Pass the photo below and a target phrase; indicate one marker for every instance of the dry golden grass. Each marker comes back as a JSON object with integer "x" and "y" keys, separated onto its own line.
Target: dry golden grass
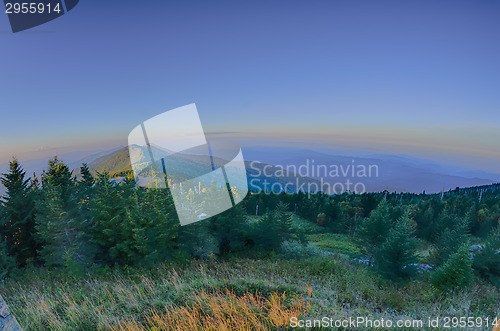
{"x": 497, "y": 328}
{"x": 243, "y": 294}
{"x": 223, "y": 311}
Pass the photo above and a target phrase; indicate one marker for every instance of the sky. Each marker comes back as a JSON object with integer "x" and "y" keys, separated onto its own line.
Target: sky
{"x": 409, "y": 77}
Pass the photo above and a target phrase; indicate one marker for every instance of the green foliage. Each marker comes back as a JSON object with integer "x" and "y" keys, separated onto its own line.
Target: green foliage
{"x": 17, "y": 220}
{"x": 275, "y": 227}
{"x": 293, "y": 249}
{"x": 374, "y": 229}
{"x": 487, "y": 260}
{"x": 87, "y": 178}
{"x": 93, "y": 221}
{"x": 156, "y": 229}
{"x": 335, "y": 242}
{"x": 451, "y": 231}
{"x": 113, "y": 209}
{"x": 198, "y": 241}
{"x": 341, "y": 221}
{"x": 230, "y": 229}
{"x": 60, "y": 224}
{"x": 396, "y": 255}
{"x": 7, "y": 262}
{"x": 456, "y": 272}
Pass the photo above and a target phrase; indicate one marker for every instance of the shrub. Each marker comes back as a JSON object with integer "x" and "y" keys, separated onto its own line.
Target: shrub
{"x": 456, "y": 272}
{"x": 396, "y": 256}
{"x": 7, "y": 263}
{"x": 487, "y": 261}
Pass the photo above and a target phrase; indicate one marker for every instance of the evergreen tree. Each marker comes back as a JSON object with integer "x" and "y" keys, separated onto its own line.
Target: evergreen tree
{"x": 267, "y": 232}
{"x": 84, "y": 193}
{"x": 456, "y": 272}
{"x": 7, "y": 262}
{"x": 274, "y": 228}
{"x": 374, "y": 229}
{"x": 17, "y": 222}
{"x": 157, "y": 227}
{"x": 112, "y": 209}
{"x": 197, "y": 240}
{"x": 487, "y": 260}
{"x": 84, "y": 186}
{"x": 396, "y": 256}
{"x": 87, "y": 178}
{"x": 284, "y": 219}
{"x": 451, "y": 232}
{"x": 59, "y": 223}
{"x": 231, "y": 230}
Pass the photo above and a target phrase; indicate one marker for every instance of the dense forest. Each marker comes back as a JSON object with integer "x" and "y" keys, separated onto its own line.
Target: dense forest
{"x": 61, "y": 225}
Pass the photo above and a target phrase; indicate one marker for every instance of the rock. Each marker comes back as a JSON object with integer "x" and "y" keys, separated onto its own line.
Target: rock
{"x": 7, "y": 321}
{"x": 4, "y": 310}
{"x": 474, "y": 248}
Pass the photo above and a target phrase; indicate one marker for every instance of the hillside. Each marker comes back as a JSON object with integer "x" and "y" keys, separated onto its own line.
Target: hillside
{"x": 118, "y": 162}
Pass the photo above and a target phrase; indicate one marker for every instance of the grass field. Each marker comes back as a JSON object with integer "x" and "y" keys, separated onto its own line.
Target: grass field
{"x": 237, "y": 294}
{"x": 320, "y": 279}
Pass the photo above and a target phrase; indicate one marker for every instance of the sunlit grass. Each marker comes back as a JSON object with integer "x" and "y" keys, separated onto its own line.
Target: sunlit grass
{"x": 242, "y": 294}
{"x": 223, "y": 311}
{"x": 335, "y": 242}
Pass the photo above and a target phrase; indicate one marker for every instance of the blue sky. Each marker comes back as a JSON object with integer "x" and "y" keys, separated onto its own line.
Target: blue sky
{"x": 415, "y": 77}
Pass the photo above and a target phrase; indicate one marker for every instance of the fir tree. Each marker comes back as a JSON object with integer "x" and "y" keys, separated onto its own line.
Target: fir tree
{"x": 451, "y": 232}
{"x": 156, "y": 227}
{"x": 112, "y": 221}
{"x": 59, "y": 223}
{"x": 231, "y": 229}
{"x": 396, "y": 256}
{"x": 374, "y": 229}
{"x": 17, "y": 222}
{"x": 284, "y": 219}
{"x": 456, "y": 272}
{"x": 487, "y": 260}
{"x": 7, "y": 262}
{"x": 267, "y": 232}
{"x": 87, "y": 178}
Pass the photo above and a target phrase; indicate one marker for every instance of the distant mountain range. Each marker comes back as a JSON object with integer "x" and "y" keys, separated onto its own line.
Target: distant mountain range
{"x": 305, "y": 167}
{"x": 398, "y": 173}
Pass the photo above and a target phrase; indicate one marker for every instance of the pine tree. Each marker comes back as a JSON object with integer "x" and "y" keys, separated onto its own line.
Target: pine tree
{"x": 87, "y": 178}
{"x": 7, "y": 262}
{"x": 451, "y": 232}
{"x": 267, "y": 232}
{"x": 17, "y": 222}
{"x": 487, "y": 260}
{"x": 231, "y": 229}
{"x": 84, "y": 186}
{"x": 396, "y": 256}
{"x": 156, "y": 227}
{"x": 456, "y": 272}
{"x": 112, "y": 221}
{"x": 84, "y": 193}
{"x": 374, "y": 229}
{"x": 284, "y": 219}
{"x": 60, "y": 225}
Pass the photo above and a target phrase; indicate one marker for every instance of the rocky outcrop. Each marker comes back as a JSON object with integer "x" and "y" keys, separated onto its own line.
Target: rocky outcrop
{"x": 7, "y": 321}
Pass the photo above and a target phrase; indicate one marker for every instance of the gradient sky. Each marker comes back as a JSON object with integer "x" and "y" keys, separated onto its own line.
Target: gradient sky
{"x": 414, "y": 77}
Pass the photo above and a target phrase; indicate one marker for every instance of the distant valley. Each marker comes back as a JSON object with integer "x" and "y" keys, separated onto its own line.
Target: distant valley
{"x": 393, "y": 172}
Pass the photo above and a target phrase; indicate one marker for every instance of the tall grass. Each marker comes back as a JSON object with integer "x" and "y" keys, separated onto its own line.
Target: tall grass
{"x": 223, "y": 311}
{"x": 242, "y": 294}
